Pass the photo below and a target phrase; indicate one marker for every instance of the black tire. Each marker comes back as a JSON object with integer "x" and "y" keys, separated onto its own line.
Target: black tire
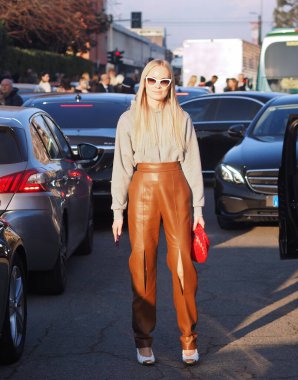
{"x": 226, "y": 224}
{"x": 86, "y": 247}
{"x": 14, "y": 328}
{"x": 54, "y": 281}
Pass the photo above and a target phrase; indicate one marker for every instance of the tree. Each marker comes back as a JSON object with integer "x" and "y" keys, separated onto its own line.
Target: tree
{"x": 286, "y": 14}
{"x": 56, "y": 25}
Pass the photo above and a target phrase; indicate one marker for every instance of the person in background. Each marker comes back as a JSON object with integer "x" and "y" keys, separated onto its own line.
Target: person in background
{"x": 232, "y": 85}
{"x": 65, "y": 86}
{"x": 113, "y": 77}
{"x": 192, "y": 81}
{"x": 202, "y": 82}
{"x": 241, "y": 82}
{"x": 85, "y": 76}
{"x": 103, "y": 85}
{"x": 212, "y": 82}
{"x": 119, "y": 81}
{"x": 128, "y": 86}
{"x": 157, "y": 164}
{"x": 44, "y": 84}
{"x": 83, "y": 86}
{"x": 9, "y": 94}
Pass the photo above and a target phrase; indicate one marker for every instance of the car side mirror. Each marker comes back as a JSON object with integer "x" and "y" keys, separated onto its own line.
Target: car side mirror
{"x": 237, "y": 130}
{"x": 87, "y": 152}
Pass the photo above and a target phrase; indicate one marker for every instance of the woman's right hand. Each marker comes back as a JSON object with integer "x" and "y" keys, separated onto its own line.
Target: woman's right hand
{"x": 117, "y": 228}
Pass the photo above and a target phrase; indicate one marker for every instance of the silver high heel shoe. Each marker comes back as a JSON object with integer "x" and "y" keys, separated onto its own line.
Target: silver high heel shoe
{"x": 190, "y": 359}
{"x": 145, "y": 360}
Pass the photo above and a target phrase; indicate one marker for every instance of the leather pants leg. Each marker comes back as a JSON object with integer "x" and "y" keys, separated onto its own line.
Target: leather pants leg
{"x": 160, "y": 191}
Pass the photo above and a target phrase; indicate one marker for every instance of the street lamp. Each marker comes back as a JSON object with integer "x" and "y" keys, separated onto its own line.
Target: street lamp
{"x": 260, "y": 22}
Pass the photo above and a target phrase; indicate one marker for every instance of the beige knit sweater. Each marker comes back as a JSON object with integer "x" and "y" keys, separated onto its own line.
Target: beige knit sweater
{"x": 127, "y": 156}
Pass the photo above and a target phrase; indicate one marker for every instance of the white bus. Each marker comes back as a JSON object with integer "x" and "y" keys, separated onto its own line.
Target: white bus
{"x": 278, "y": 67}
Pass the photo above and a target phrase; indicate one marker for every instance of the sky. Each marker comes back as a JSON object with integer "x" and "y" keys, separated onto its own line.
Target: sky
{"x": 197, "y": 19}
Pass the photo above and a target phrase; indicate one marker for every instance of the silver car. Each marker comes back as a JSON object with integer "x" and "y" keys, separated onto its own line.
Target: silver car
{"x": 45, "y": 194}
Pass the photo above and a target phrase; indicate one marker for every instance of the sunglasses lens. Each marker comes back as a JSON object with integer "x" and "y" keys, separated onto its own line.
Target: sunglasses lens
{"x": 165, "y": 82}
{"x": 151, "y": 81}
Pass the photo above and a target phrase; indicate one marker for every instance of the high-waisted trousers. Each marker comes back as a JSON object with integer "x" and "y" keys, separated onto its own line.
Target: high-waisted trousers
{"x": 159, "y": 191}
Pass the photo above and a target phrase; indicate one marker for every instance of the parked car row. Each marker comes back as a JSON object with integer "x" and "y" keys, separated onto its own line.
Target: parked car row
{"x": 56, "y": 156}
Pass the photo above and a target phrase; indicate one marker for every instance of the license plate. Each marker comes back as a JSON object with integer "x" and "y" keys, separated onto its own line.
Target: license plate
{"x": 272, "y": 201}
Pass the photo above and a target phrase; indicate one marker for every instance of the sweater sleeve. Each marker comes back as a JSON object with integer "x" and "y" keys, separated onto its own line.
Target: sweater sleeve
{"x": 122, "y": 167}
{"x": 192, "y": 169}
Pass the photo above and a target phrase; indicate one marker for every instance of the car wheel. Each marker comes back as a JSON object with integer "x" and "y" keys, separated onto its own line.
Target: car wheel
{"x": 54, "y": 281}
{"x": 85, "y": 248}
{"x": 225, "y": 224}
{"x": 14, "y": 328}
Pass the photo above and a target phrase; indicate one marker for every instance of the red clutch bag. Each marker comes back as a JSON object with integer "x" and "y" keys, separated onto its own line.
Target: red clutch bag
{"x": 200, "y": 245}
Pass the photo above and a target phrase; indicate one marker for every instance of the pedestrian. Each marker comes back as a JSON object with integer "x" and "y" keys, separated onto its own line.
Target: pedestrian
{"x": 211, "y": 83}
{"x": 192, "y": 81}
{"x": 44, "y": 84}
{"x": 202, "y": 82}
{"x": 157, "y": 166}
{"x": 103, "y": 85}
{"x": 83, "y": 86}
{"x": 113, "y": 77}
{"x": 241, "y": 82}
{"x": 65, "y": 86}
{"x": 232, "y": 85}
{"x": 9, "y": 94}
{"x": 127, "y": 86}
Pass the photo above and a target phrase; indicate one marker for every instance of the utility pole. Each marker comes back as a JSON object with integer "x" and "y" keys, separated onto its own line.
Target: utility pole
{"x": 260, "y": 22}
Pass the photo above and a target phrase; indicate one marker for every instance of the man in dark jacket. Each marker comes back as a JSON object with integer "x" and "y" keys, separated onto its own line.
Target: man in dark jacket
{"x": 103, "y": 85}
{"x": 9, "y": 93}
{"x": 211, "y": 83}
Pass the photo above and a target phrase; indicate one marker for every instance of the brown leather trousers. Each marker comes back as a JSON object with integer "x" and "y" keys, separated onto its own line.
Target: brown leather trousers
{"x": 160, "y": 191}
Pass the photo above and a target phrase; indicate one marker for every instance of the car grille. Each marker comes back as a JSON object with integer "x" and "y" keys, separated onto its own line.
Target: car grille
{"x": 263, "y": 180}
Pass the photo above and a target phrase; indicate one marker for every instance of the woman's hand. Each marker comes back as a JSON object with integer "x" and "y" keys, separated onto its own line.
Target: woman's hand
{"x": 200, "y": 220}
{"x": 117, "y": 228}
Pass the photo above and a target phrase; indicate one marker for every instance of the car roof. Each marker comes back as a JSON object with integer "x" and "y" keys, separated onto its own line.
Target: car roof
{"x": 77, "y": 97}
{"x": 261, "y": 96}
{"x": 13, "y": 116}
{"x": 285, "y": 100}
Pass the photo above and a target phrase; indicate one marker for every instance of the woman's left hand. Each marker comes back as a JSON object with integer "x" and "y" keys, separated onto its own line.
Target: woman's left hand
{"x": 200, "y": 220}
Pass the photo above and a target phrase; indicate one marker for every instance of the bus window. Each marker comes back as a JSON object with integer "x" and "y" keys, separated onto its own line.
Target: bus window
{"x": 278, "y": 69}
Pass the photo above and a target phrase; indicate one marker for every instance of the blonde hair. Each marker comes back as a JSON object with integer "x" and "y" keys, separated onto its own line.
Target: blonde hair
{"x": 192, "y": 81}
{"x": 173, "y": 116}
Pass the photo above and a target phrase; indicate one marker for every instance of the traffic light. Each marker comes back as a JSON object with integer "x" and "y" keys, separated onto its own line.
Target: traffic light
{"x": 118, "y": 56}
{"x": 111, "y": 56}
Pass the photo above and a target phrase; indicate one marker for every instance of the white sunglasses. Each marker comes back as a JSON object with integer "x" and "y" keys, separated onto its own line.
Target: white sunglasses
{"x": 164, "y": 83}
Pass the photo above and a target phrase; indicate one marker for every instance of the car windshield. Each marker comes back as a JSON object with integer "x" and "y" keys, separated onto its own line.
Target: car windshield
{"x": 9, "y": 147}
{"x": 274, "y": 120}
{"x": 85, "y": 114}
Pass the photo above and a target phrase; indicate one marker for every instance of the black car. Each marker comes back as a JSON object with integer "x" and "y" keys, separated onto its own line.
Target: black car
{"x": 214, "y": 114}
{"x": 90, "y": 118}
{"x": 13, "y": 296}
{"x": 288, "y": 192}
{"x": 246, "y": 178}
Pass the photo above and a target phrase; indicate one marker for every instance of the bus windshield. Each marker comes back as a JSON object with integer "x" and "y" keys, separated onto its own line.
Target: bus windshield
{"x": 281, "y": 67}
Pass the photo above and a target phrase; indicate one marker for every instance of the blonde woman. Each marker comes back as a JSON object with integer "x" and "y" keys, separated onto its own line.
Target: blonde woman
{"x": 192, "y": 81}
{"x": 157, "y": 166}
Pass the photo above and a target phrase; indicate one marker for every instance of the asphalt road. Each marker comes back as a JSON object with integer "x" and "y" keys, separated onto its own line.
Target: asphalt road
{"x": 248, "y": 317}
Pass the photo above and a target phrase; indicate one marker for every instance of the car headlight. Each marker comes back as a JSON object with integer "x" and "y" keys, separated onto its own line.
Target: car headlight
{"x": 229, "y": 174}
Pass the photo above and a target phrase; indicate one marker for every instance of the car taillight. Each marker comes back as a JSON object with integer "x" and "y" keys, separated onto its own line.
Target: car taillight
{"x": 29, "y": 181}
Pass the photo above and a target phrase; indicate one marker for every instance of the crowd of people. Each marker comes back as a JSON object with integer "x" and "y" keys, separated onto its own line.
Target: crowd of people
{"x": 232, "y": 84}
{"x": 109, "y": 81}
